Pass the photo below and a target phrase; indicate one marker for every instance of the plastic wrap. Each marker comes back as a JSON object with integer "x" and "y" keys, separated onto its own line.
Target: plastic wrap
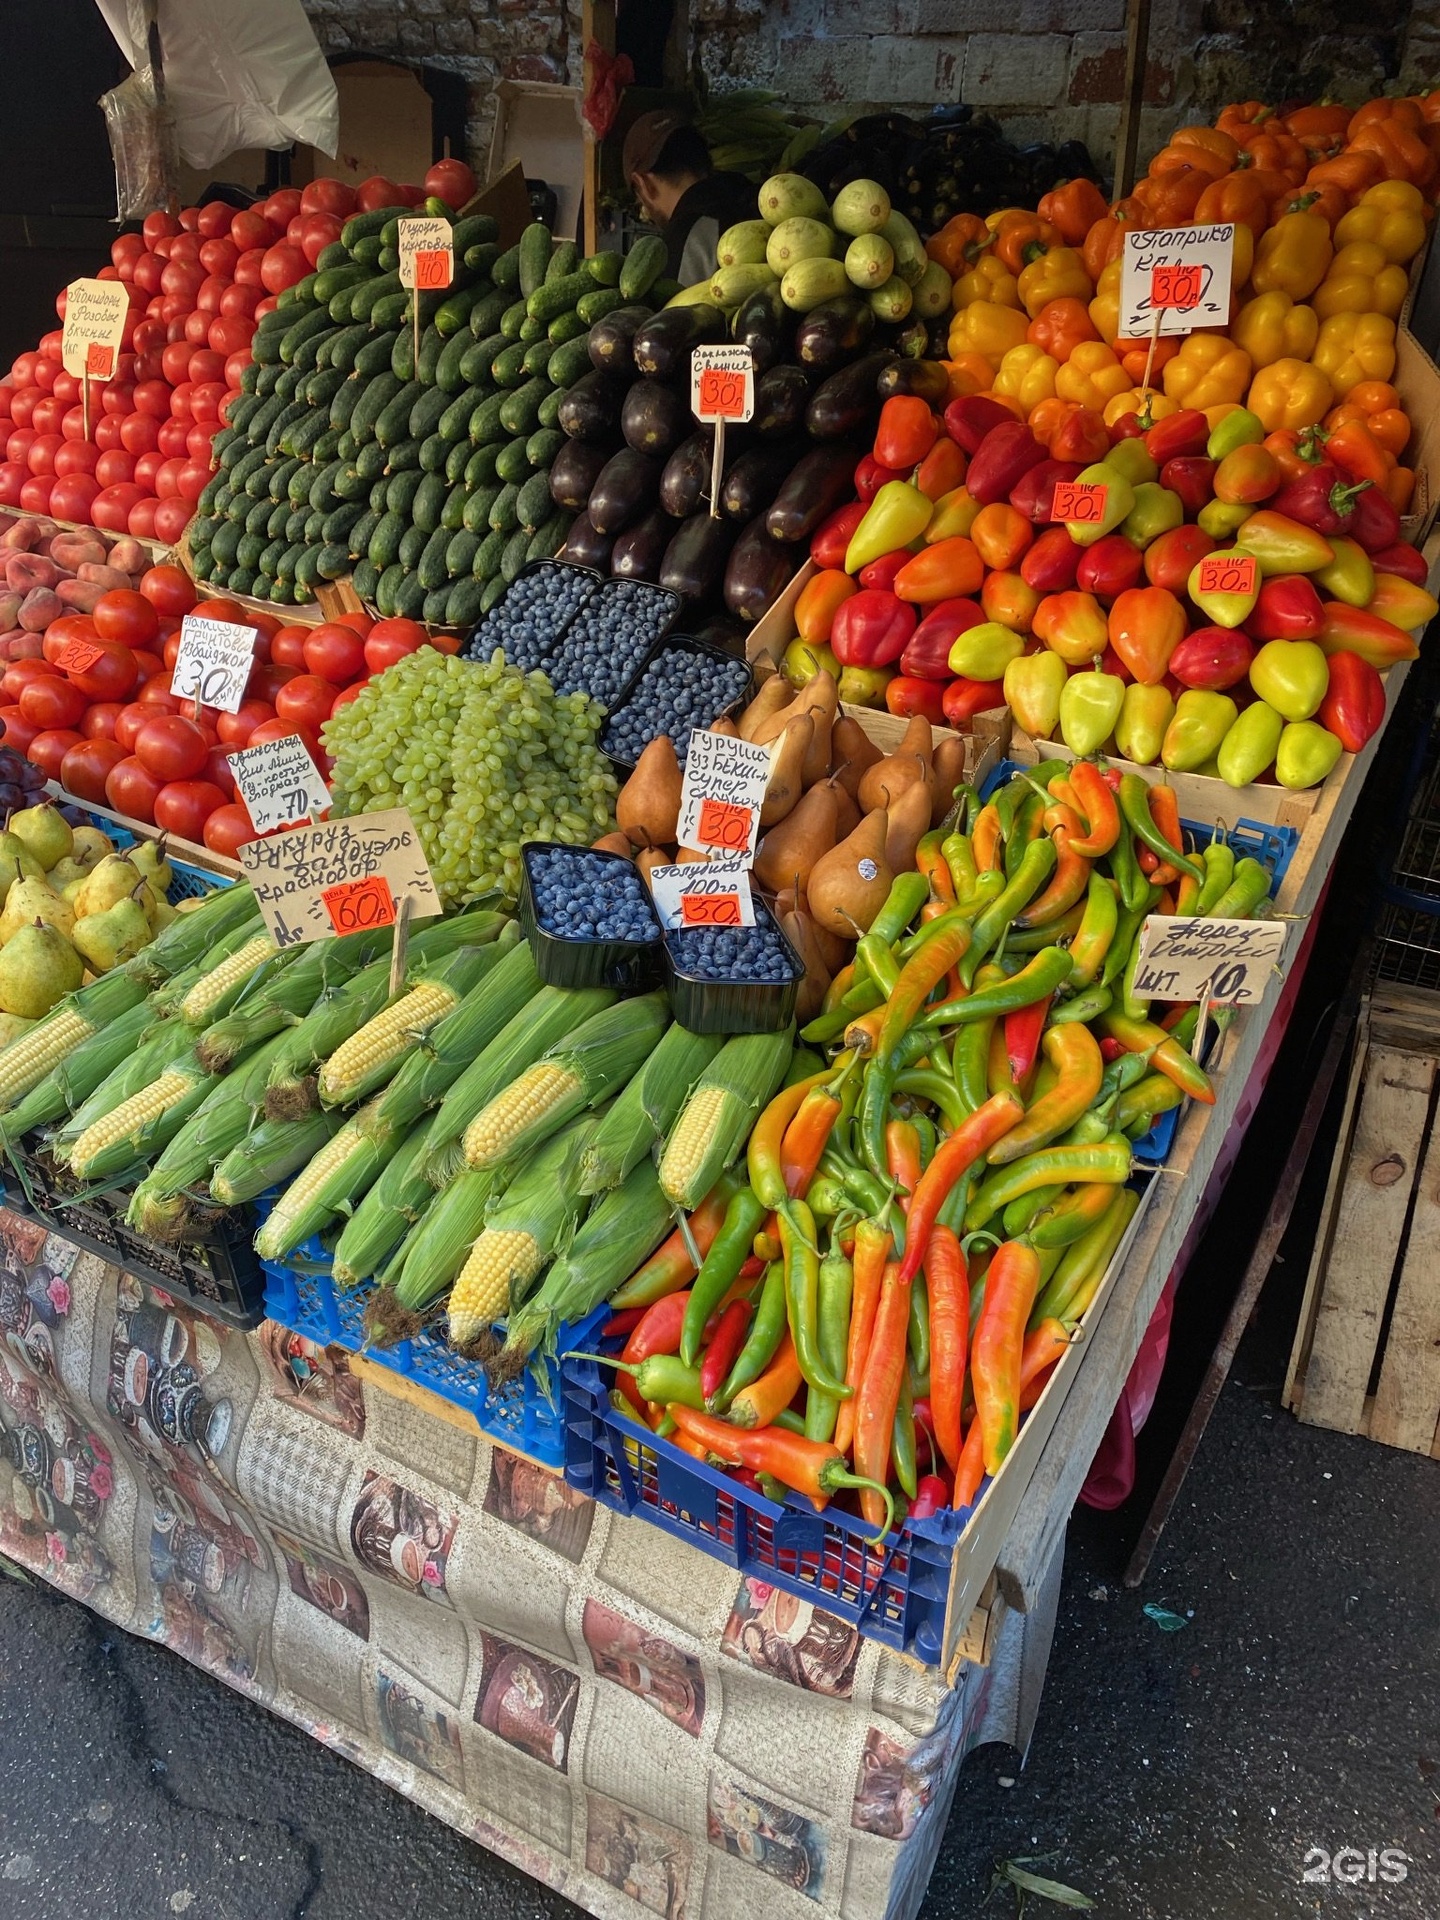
{"x": 142, "y": 144}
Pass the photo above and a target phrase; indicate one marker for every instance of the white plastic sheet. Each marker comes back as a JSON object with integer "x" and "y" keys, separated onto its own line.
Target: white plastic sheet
{"x": 238, "y": 73}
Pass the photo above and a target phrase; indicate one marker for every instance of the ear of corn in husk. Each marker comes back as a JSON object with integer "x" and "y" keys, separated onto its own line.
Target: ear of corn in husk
{"x": 716, "y": 1120}
{"x": 74, "y": 1048}
{"x": 167, "y": 997}
{"x": 392, "y": 1205}
{"x": 647, "y": 1107}
{"x": 346, "y": 1164}
{"x": 171, "y": 1041}
{"x": 130, "y": 1132}
{"x": 212, "y": 997}
{"x": 272, "y": 1152}
{"x": 191, "y": 936}
{"x": 364, "y": 1062}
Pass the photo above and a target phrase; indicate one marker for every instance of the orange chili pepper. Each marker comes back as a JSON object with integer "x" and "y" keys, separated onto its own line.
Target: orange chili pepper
{"x": 1096, "y": 800}
{"x": 812, "y": 1467}
{"x": 1011, "y": 1283}
{"x": 1400, "y": 487}
{"x": 879, "y": 1391}
{"x": 931, "y": 862}
{"x": 758, "y": 1404}
{"x": 942, "y": 469}
{"x": 872, "y": 1251}
{"x": 970, "y": 1468}
{"x": 1000, "y": 535}
{"x": 948, "y": 1286}
{"x": 985, "y": 839}
{"x": 1358, "y": 454}
{"x": 820, "y": 600}
{"x": 902, "y": 1157}
{"x": 1043, "y": 1347}
{"x": 805, "y": 1138}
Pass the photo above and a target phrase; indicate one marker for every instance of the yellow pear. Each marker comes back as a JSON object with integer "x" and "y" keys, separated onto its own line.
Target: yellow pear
{"x": 114, "y": 879}
{"x": 72, "y": 889}
{"x": 12, "y": 1025}
{"x": 33, "y": 899}
{"x": 45, "y": 830}
{"x": 64, "y": 871}
{"x": 91, "y": 846}
{"x": 16, "y": 862}
{"x": 161, "y": 914}
{"x": 37, "y": 968}
{"x": 149, "y": 857}
{"x": 106, "y": 938}
{"x": 787, "y": 765}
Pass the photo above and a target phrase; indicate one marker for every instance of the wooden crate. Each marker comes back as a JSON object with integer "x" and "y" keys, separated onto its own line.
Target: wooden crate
{"x": 1367, "y": 1350}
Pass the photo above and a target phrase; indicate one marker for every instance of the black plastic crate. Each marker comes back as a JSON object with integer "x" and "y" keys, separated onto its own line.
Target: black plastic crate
{"x": 631, "y": 966}
{"x": 677, "y": 643}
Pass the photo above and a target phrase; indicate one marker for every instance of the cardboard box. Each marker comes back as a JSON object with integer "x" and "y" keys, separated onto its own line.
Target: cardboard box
{"x": 386, "y": 126}
{"x": 539, "y": 124}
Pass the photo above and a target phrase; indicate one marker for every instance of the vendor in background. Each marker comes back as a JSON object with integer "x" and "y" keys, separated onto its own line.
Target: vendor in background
{"x": 668, "y": 167}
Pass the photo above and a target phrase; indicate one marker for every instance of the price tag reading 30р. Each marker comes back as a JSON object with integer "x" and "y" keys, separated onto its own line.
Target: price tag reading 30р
{"x": 214, "y": 662}
{"x": 427, "y": 254}
{"x": 1082, "y": 501}
{"x": 315, "y": 882}
{"x": 1182, "y": 274}
{"x": 716, "y": 895}
{"x": 1228, "y": 962}
{"x": 279, "y": 783}
{"x": 95, "y": 313}
{"x": 722, "y": 383}
{"x": 722, "y": 794}
{"x": 1229, "y": 573}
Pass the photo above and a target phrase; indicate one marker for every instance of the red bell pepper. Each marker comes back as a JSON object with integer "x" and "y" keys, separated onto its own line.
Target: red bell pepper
{"x": 871, "y": 475}
{"x": 871, "y": 629}
{"x": 906, "y": 433}
{"x": 1289, "y": 608}
{"x": 967, "y": 421}
{"x": 1146, "y": 625}
{"x": 832, "y": 537}
{"x": 940, "y": 572}
{"x": 1192, "y": 477}
{"x": 1321, "y": 498}
{"x": 906, "y": 696}
{"x": 1110, "y": 567}
{"x": 1033, "y": 495}
{"x": 942, "y": 469}
{"x": 1178, "y": 436}
{"x": 1374, "y": 524}
{"x": 1082, "y": 435}
{"x": 1354, "y": 704}
{"x": 882, "y": 572}
{"x": 1403, "y": 559}
{"x": 1003, "y": 457}
{"x": 1351, "y": 630}
{"x": 927, "y": 651}
{"x": 1212, "y": 659}
{"x": 1051, "y": 564}
{"x": 1130, "y": 426}
{"x": 965, "y": 698}
{"x": 1170, "y": 560}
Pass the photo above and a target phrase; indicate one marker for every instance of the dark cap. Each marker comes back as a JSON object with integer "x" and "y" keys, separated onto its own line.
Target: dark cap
{"x": 645, "y": 141}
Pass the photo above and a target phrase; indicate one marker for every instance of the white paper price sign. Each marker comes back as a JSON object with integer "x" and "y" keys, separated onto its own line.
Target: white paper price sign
{"x": 722, "y": 794}
{"x": 722, "y": 383}
{"x": 1181, "y": 274}
{"x": 95, "y": 312}
{"x": 279, "y": 783}
{"x": 214, "y": 662}
{"x": 715, "y": 893}
{"x": 1227, "y": 962}
{"x": 344, "y": 876}
{"x": 427, "y": 254}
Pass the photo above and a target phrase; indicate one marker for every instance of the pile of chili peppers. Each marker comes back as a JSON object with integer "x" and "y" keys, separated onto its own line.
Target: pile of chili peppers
{"x": 928, "y": 1213}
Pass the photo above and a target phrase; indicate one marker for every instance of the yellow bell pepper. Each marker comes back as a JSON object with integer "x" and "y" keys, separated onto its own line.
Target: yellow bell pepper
{"x": 1242, "y": 255}
{"x": 988, "y": 279}
{"x": 1139, "y": 400}
{"x": 1362, "y": 280}
{"x": 1355, "y": 346}
{"x": 1056, "y": 275}
{"x": 984, "y": 327}
{"x": 1273, "y": 327}
{"x": 1209, "y": 368}
{"x": 1091, "y": 376}
{"x": 1027, "y": 374}
{"x": 1392, "y": 216}
{"x": 1105, "y": 307}
{"x": 1292, "y": 257}
{"x": 1290, "y": 393}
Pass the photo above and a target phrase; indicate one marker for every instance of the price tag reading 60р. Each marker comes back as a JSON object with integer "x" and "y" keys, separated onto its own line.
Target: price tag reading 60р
{"x": 213, "y": 663}
{"x": 355, "y": 906}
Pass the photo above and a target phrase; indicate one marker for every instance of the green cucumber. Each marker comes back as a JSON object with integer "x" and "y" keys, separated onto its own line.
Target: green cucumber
{"x": 642, "y": 266}
{"x": 514, "y": 463}
{"x": 486, "y": 564}
{"x": 447, "y": 368}
{"x": 549, "y": 412}
{"x": 384, "y": 548}
{"x": 534, "y": 247}
{"x": 434, "y": 451}
{"x": 568, "y": 363}
{"x": 506, "y": 271}
{"x": 595, "y": 305}
{"x": 378, "y": 395}
{"x": 520, "y": 411}
{"x": 452, "y": 514}
{"x": 543, "y": 445}
{"x": 430, "y": 567}
{"x": 508, "y": 368}
{"x": 432, "y": 611}
{"x": 533, "y": 506}
{"x": 485, "y": 420}
{"x": 455, "y": 419}
{"x": 457, "y": 458}
{"x": 474, "y": 230}
{"x": 604, "y": 268}
{"x": 503, "y": 515}
{"x": 462, "y": 604}
{"x": 481, "y": 465}
{"x": 429, "y": 502}
{"x": 425, "y": 414}
{"x": 371, "y": 461}
{"x": 374, "y": 356}
{"x": 365, "y": 579}
{"x": 566, "y": 326}
{"x": 550, "y": 538}
{"x": 485, "y": 315}
{"x": 513, "y": 558}
{"x": 495, "y": 591}
{"x": 475, "y": 518}
{"x": 558, "y": 296}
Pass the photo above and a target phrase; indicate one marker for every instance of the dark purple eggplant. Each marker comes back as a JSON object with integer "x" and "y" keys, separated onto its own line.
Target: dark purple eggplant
{"x": 685, "y": 483}
{"x": 849, "y": 400}
{"x": 663, "y": 345}
{"x": 722, "y": 630}
{"x": 912, "y": 340}
{"x": 574, "y": 472}
{"x": 638, "y": 551}
{"x": 762, "y": 324}
{"x": 625, "y": 489}
{"x": 926, "y": 379}
{"x": 834, "y": 332}
{"x": 585, "y": 546}
{"x": 760, "y": 567}
{"x": 818, "y": 482}
{"x": 694, "y": 562}
{"x": 781, "y": 397}
{"x": 591, "y": 409}
{"x": 655, "y": 418}
{"x": 753, "y": 480}
{"x": 611, "y": 342}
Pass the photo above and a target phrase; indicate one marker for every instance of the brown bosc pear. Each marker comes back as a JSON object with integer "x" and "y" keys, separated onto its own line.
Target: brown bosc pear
{"x": 787, "y": 769}
{"x": 847, "y": 814}
{"x": 726, "y": 726}
{"x": 907, "y": 820}
{"x": 691, "y": 857}
{"x": 884, "y": 782}
{"x": 848, "y": 885}
{"x": 647, "y": 809}
{"x": 649, "y": 857}
{"x": 613, "y": 843}
{"x": 949, "y": 763}
{"x": 790, "y": 848}
{"x": 852, "y": 753}
{"x": 776, "y": 693}
{"x": 800, "y": 930}
{"x": 820, "y": 698}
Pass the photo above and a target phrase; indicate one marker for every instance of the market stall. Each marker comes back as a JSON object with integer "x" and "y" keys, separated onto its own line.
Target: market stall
{"x": 738, "y": 856}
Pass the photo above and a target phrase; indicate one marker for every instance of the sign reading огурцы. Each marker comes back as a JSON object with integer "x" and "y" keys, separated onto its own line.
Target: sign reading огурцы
{"x": 722, "y": 794}
{"x": 1227, "y": 962}
{"x": 1182, "y": 273}
{"x": 427, "y": 253}
{"x": 292, "y": 874}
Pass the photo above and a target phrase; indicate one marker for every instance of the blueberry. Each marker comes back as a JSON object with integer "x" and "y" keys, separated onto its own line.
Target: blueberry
{"x": 529, "y": 620}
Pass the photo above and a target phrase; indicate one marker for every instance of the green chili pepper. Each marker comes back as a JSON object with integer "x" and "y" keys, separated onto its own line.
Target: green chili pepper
{"x": 1135, "y": 1005}
{"x": 1096, "y": 931}
{"x": 1085, "y": 1006}
{"x": 1031, "y": 939}
{"x": 1248, "y": 887}
{"x": 661, "y": 1379}
{"x": 862, "y": 996}
{"x": 880, "y": 966}
{"x": 1108, "y": 1161}
{"x": 1126, "y": 926}
{"x": 924, "y": 934}
{"x": 802, "y": 1294}
{"x": 1018, "y": 1215}
{"x": 1120, "y": 1074}
{"x": 929, "y": 1139}
{"x": 792, "y": 1423}
{"x": 970, "y": 1056}
{"x": 825, "y": 1196}
{"x": 1142, "y": 1102}
{"x": 928, "y": 1085}
{"x": 1185, "y": 1026}
{"x": 729, "y": 1251}
{"x": 1036, "y": 865}
{"x": 1028, "y": 827}
{"x": 1048, "y": 970}
{"x": 919, "y": 1334}
{"x": 766, "y": 1331}
{"x": 1219, "y": 861}
{"x": 837, "y": 1282}
{"x": 1135, "y": 811}
{"x": 1070, "y": 1217}
{"x": 902, "y": 1439}
{"x": 959, "y": 857}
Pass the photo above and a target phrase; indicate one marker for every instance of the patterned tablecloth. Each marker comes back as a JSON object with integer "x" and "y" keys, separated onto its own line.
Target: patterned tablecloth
{"x": 615, "y": 1712}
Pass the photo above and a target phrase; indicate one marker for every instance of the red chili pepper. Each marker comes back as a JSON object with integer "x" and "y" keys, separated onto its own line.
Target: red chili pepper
{"x": 1402, "y": 558}
{"x": 871, "y": 629}
{"x": 870, "y": 476}
{"x": 967, "y": 421}
{"x": 619, "y": 1325}
{"x": 1033, "y": 495}
{"x": 725, "y": 1344}
{"x": 881, "y": 573}
{"x": 1374, "y": 525}
{"x": 831, "y": 540}
{"x": 1023, "y": 1029}
{"x": 1011, "y": 1283}
{"x": 1044, "y": 1345}
{"x": 902, "y": 1156}
{"x": 1109, "y": 568}
{"x": 871, "y": 1256}
{"x": 1190, "y": 476}
{"x": 931, "y": 1494}
{"x": 925, "y": 1420}
{"x": 927, "y": 651}
{"x": 1354, "y": 704}
{"x": 1177, "y": 437}
{"x": 965, "y": 698}
{"x": 1050, "y": 565}
{"x": 1322, "y": 499}
{"x": 811, "y": 1467}
{"x": 954, "y": 1156}
{"x": 657, "y": 1332}
{"x": 949, "y": 1288}
{"x": 1002, "y": 459}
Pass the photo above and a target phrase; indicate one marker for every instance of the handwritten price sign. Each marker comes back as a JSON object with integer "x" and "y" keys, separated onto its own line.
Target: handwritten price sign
{"x": 355, "y": 906}
{"x": 1229, "y": 573}
{"x": 279, "y": 783}
{"x": 716, "y": 894}
{"x": 95, "y": 315}
{"x": 723, "y": 826}
{"x": 1179, "y": 279}
{"x": 213, "y": 663}
{"x": 1082, "y": 501}
{"x": 99, "y": 361}
{"x": 78, "y": 656}
{"x": 1177, "y": 286}
{"x": 722, "y": 794}
{"x": 427, "y": 258}
{"x": 1227, "y": 962}
{"x": 722, "y": 383}
{"x": 339, "y": 877}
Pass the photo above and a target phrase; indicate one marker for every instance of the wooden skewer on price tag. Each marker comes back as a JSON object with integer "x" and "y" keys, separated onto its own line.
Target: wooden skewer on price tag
{"x": 1150, "y": 351}
{"x": 401, "y": 945}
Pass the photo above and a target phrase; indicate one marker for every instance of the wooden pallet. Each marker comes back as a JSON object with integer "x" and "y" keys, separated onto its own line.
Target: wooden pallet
{"x": 1367, "y": 1350}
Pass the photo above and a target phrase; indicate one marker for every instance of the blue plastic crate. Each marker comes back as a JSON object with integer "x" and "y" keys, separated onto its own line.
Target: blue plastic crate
{"x": 519, "y": 1415}
{"x": 190, "y": 883}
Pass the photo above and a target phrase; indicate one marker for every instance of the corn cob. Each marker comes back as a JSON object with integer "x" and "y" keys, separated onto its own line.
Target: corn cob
{"x": 76, "y": 1077}
{"x": 213, "y": 996}
{"x": 623, "y": 1228}
{"x": 167, "y": 1044}
{"x": 717, "y": 1117}
{"x": 646, "y": 1109}
{"x": 440, "y": 1244}
{"x": 166, "y": 998}
{"x": 270, "y": 1154}
{"x": 372, "y": 1056}
{"x": 397, "y": 1199}
{"x": 190, "y": 936}
{"x": 541, "y": 1023}
{"x": 346, "y": 1162}
{"x": 152, "y": 1117}
{"x": 79, "y": 1017}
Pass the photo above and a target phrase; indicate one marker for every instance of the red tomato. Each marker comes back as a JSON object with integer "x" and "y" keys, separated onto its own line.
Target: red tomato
{"x": 111, "y": 677}
{"x": 328, "y": 196}
{"x": 12, "y": 482}
{"x": 282, "y": 206}
{"x": 451, "y": 181}
{"x": 174, "y": 361}
{"x": 72, "y": 495}
{"x": 236, "y": 361}
{"x": 86, "y": 767}
{"x": 110, "y": 508}
{"x": 35, "y": 494}
{"x": 172, "y": 747}
{"x": 360, "y": 621}
{"x": 125, "y": 246}
{"x": 159, "y": 226}
{"x": 206, "y": 398}
{"x": 50, "y": 746}
{"x": 228, "y": 828}
{"x": 213, "y": 219}
{"x": 305, "y": 702}
{"x": 43, "y": 449}
{"x": 266, "y": 681}
{"x": 171, "y": 519}
{"x": 170, "y": 652}
{"x": 287, "y": 647}
{"x": 16, "y": 729}
{"x": 247, "y": 268}
{"x": 107, "y": 433}
{"x": 250, "y": 229}
{"x": 377, "y": 192}
{"x": 147, "y": 664}
{"x": 131, "y": 789}
{"x": 282, "y": 267}
{"x": 128, "y": 722}
{"x": 217, "y": 771}
{"x": 284, "y": 730}
{"x": 125, "y": 615}
{"x": 183, "y": 806}
{"x": 318, "y": 231}
{"x": 52, "y": 701}
{"x": 168, "y": 589}
{"x": 146, "y": 468}
{"x": 174, "y": 434}
{"x": 218, "y": 257}
{"x": 77, "y": 456}
{"x": 44, "y": 375}
{"x": 346, "y": 695}
{"x": 98, "y": 722}
{"x": 18, "y": 444}
{"x": 167, "y": 479}
{"x": 334, "y": 653}
{"x": 140, "y": 521}
{"x": 235, "y": 729}
{"x": 18, "y": 675}
{"x": 140, "y": 433}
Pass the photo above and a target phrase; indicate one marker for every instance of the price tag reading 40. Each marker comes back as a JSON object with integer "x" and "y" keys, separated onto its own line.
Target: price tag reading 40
{"x": 722, "y": 794}
{"x": 427, "y": 254}
{"x": 722, "y": 383}
{"x": 213, "y": 663}
{"x": 1227, "y": 962}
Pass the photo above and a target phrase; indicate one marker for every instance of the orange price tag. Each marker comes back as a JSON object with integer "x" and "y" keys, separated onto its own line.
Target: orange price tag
{"x": 723, "y": 824}
{"x": 99, "y": 361}
{"x": 722, "y": 394}
{"x": 77, "y": 656}
{"x": 1229, "y": 573}
{"x": 710, "y": 910}
{"x": 433, "y": 269}
{"x": 1082, "y": 501}
{"x": 1177, "y": 286}
{"x": 355, "y": 905}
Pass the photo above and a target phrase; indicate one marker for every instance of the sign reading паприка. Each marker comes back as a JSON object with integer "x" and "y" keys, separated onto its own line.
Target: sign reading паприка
{"x": 1180, "y": 273}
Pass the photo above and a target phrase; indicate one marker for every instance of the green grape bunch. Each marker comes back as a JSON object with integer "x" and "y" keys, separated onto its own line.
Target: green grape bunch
{"x": 482, "y": 756}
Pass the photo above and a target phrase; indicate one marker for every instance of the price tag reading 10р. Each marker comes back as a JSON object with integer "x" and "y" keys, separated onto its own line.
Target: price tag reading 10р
{"x": 722, "y": 794}
{"x": 427, "y": 254}
{"x": 722, "y": 383}
{"x": 214, "y": 662}
{"x": 1227, "y": 962}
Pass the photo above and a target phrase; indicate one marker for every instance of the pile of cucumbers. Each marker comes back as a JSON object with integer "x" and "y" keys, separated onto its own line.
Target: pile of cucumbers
{"x": 424, "y": 478}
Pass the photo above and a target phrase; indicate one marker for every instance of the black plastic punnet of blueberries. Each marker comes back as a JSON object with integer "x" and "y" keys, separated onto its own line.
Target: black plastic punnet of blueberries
{"x": 680, "y": 689}
{"x": 579, "y": 895}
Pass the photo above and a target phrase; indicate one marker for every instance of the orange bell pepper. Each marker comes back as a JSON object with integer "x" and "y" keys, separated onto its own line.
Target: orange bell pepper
{"x": 1290, "y": 393}
{"x": 1103, "y": 243}
{"x": 1080, "y": 434}
{"x": 1021, "y": 237}
{"x": 1046, "y": 420}
{"x": 1319, "y": 129}
{"x": 1277, "y": 152}
{"x": 1134, "y": 355}
{"x": 1009, "y": 600}
{"x": 942, "y": 469}
{"x": 1216, "y": 140}
{"x": 820, "y": 599}
{"x": 1400, "y": 487}
{"x": 1401, "y": 148}
{"x": 1295, "y": 450}
{"x": 1061, "y": 325}
{"x": 958, "y": 242}
{"x": 1241, "y": 196}
{"x": 1293, "y": 256}
{"x": 1092, "y": 375}
{"x": 1359, "y": 455}
{"x": 1208, "y": 370}
{"x": 1170, "y": 199}
{"x": 1331, "y": 202}
{"x": 1392, "y": 215}
{"x": 1241, "y": 115}
{"x": 1072, "y": 624}
{"x": 948, "y": 570}
{"x": 1072, "y": 209}
{"x": 1352, "y": 170}
{"x": 1001, "y": 535}
{"x": 968, "y": 373}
